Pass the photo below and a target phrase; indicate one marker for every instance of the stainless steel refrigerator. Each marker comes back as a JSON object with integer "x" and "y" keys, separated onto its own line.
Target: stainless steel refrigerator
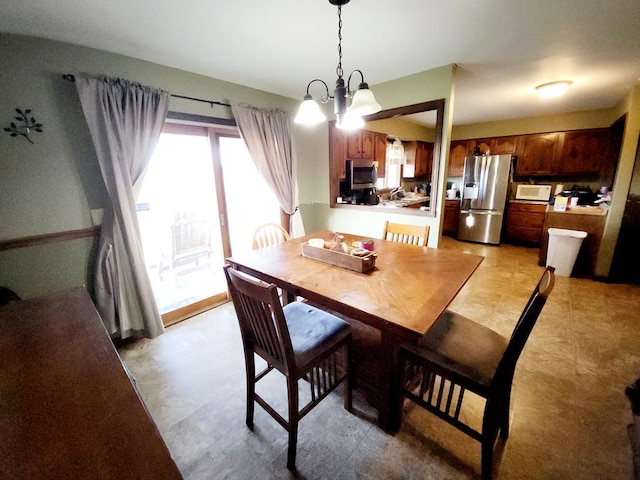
{"x": 483, "y": 198}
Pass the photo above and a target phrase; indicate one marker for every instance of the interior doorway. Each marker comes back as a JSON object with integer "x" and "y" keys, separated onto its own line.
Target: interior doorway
{"x": 194, "y": 210}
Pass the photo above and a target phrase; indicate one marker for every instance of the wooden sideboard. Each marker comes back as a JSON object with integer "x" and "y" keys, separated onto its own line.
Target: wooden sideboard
{"x": 68, "y": 407}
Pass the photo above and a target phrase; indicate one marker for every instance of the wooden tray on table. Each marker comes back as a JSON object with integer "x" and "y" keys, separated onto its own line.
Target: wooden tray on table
{"x": 344, "y": 260}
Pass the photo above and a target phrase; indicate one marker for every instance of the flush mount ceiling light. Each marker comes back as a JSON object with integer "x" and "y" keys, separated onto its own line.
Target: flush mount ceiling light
{"x": 553, "y": 89}
{"x": 362, "y": 101}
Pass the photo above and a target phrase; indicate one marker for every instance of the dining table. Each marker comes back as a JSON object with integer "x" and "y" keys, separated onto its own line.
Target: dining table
{"x": 397, "y": 301}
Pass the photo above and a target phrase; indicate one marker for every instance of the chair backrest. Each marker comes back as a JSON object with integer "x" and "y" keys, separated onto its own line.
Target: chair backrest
{"x": 411, "y": 234}
{"x": 525, "y": 324}
{"x": 269, "y": 234}
{"x": 262, "y": 323}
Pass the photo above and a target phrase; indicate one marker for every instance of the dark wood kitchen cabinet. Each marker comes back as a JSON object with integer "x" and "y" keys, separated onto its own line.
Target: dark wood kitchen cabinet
{"x": 420, "y": 155}
{"x": 482, "y": 144}
{"x": 506, "y": 145}
{"x": 370, "y": 145}
{"x": 337, "y": 153}
{"x": 380, "y": 152}
{"x": 451, "y": 215}
{"x": 458, "y": 151}
{"x": 540, "y": 154}
{"x": 360, "y": 145}
{"x": 576, "y": 152}
{"x": 525, "y": 223}
{"x": 583, "y": 151}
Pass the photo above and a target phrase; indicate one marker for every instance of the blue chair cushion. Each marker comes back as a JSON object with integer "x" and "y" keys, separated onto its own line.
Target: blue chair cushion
{"x": 312, "y": 331}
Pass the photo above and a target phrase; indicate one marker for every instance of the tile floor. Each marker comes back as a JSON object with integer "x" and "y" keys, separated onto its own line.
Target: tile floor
{"x": 569, "y": 411}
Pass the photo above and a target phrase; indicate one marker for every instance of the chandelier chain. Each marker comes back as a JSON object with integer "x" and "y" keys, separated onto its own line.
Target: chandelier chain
{"x": 339, "y": 68}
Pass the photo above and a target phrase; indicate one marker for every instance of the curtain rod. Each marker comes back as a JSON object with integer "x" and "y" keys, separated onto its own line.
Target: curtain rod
{"x": 72, "y": 78}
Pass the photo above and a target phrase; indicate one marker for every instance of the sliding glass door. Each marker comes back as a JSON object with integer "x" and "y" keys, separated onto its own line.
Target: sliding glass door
{"x": 200, "y": 200}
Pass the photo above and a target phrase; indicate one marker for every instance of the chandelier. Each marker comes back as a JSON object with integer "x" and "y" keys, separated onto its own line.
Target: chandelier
{"x": 348, "y": 106}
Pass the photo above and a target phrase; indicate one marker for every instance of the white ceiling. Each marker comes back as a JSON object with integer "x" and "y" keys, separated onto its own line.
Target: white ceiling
{"x": 503, "y": 48}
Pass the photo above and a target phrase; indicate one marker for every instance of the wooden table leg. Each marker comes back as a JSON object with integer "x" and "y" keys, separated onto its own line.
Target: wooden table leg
{"x": 388, "y": 418}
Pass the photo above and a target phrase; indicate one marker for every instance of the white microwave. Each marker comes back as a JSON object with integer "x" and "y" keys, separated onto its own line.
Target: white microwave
{"x": 533, "y": 192}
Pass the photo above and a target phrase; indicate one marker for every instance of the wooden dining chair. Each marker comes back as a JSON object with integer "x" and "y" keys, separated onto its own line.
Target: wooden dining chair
{"x": 411, "y": 234}
{"x": 457, "y": 354}
{"x": 269, "y": 234}
{"x": 298, "y": 340}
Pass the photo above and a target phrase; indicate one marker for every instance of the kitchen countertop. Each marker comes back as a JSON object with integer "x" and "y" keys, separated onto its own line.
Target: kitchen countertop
{"x": 529, "y": 202}
{"x": 580, "y": 210}
{"x": 404, "y": 202}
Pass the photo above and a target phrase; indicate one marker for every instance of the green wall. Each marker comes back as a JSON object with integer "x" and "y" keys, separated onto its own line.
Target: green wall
{"x": 313, "y": 172}
{"x": 547, "y": 123}
{"x": 51, "y": 186}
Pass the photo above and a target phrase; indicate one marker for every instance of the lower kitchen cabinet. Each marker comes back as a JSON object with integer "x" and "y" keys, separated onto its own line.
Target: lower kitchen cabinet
{"x": 525, "y": 222}
{"x": 451, "y": 215}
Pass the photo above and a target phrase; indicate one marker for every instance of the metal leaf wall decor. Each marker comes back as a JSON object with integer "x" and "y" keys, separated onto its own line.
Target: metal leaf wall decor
{"x": 27, "y": 124}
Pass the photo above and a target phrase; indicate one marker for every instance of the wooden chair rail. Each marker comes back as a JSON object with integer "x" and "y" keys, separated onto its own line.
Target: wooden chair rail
{"x": 43, "y": 239}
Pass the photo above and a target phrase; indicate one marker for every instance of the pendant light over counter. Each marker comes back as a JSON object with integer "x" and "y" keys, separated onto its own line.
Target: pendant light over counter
{"x": 348, "y": 106}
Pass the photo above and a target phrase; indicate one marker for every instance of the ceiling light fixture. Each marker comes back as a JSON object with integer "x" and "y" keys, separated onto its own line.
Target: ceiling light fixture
{"x": 553, "y": 89}
{"x": 362, "y": 101}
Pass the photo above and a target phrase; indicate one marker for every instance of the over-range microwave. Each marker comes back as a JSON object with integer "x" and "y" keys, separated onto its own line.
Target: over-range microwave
{"x": 533, "y": 192}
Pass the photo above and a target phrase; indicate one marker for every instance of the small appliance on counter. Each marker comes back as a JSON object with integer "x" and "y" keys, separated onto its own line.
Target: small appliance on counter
{"x": 526, "y": 191}
{"x": 585, "y": 195}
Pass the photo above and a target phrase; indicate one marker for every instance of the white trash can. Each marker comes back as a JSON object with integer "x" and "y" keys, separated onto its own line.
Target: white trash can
{"x": 563, "y": 249}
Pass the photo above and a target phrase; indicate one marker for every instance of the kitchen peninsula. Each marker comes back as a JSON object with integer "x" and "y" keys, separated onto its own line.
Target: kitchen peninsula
{"x": 588, "y": 219}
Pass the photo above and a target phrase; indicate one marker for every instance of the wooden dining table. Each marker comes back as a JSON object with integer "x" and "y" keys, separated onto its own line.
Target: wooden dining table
{"x": 396, "y": 302}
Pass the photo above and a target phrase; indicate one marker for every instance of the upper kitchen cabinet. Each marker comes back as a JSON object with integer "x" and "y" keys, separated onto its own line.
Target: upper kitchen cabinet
{"x": 458, "y": 151}
{"x": 360, "y": 145}
{"x": 506, "y": 145}
{"x": 496, "y": 145}
{"x": 337, "y": 152}
{"x": 380, "y": 152}
{"x": 482, "y": 144}
{"x": 419, "y": 155}
{"x": 583, "y": 151}
{"x": 539, "y": 154}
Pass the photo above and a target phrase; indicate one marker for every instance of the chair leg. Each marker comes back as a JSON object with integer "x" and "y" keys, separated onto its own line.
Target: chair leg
{"x": 400, "y": 387}
{"x": 348, "y": 385}
{"x": 292, "y": 394}
{"x": 504, "y": 420}
{"x": 491, "y": 422}
{"x": 487, "y": 458}
{"x": 250, "y": 369}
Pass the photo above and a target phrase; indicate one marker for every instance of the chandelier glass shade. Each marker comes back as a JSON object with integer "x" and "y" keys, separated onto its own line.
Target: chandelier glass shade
{"x": 349, "y": 106}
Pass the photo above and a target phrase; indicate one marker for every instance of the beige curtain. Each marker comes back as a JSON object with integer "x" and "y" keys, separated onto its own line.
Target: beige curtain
{"x": 267, "y": 134}
{"x": 125, "y": 120}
